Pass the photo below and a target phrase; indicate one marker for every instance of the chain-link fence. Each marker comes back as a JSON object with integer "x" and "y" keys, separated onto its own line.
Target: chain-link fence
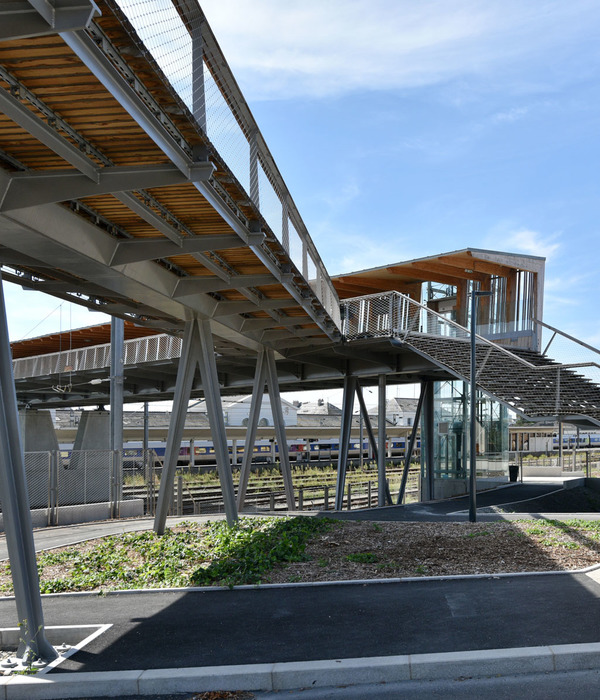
{"x": 59, "y": 480}
{"x": 62, "y": 484}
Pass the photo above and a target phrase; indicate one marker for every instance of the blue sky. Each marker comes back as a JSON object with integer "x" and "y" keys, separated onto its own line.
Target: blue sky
{"x": 407, "y": 129}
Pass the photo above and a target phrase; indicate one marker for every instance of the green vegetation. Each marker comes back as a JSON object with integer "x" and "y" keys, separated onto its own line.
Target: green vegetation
{"x": 191, "y": 554}
{"x": 214, "y": 554}
{"x": 245, "y": 553}
{"x": 268, "y": 478}
{"x": 362, "y": 558}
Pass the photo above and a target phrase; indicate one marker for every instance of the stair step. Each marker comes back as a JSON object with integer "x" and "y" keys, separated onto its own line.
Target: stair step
{"x": 506, "y": 377}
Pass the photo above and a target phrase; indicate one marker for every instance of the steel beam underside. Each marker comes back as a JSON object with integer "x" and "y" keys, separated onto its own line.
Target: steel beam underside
{"x": 106, "y": 72}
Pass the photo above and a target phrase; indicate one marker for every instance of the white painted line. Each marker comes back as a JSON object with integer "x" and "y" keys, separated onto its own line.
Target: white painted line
{"x": 96, "y": 631}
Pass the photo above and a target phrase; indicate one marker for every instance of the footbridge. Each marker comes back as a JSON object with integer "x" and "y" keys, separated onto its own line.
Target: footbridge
{"x": 135, "y": 181}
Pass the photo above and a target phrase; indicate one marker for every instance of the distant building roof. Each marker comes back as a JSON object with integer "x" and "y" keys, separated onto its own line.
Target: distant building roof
{"x": 319, "y": 408}
{"x": 230, "y": 401}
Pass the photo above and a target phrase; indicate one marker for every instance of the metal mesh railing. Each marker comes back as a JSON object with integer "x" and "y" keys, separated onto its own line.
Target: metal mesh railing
{"x": 569, "y": 351}
{"x": 392, "y": 315}
{"x": 225, "y": 133}
{"x": 149, "y": 349}
{"x": 527, "y": 381}
{"x": 178, "y": 38}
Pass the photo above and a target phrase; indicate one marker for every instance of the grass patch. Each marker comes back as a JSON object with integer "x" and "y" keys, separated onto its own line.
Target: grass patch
{"x": 362, "y": 558}
{"x": 243, "y": 554}
{"x": 188, "y": 555}
{"x": 481, "y": 533}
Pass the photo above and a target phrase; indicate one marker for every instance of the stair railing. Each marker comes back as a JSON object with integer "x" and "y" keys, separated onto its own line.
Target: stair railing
{"x": 396, "y": 315}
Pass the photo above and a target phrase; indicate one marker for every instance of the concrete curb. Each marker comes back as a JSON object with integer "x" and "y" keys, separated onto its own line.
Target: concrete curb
{"x": 317, "y": 584}
{"x": 295, "y": 675}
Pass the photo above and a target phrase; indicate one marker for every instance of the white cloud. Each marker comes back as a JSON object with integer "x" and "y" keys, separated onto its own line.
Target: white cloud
{"x": 532, "y": 243}
{"x": 510, "y": 115}
{"x": 339, "y": 198}
{"x": 317, "y": 48}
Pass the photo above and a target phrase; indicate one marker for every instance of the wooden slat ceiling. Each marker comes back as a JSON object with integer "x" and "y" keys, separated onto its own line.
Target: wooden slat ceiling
{"x": 448, "y": 268}
{"x": 73, "y": 339}
{"x": 54, "y": 73}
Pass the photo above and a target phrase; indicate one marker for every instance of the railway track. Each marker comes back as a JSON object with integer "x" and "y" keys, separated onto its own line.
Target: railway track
{"x": 268, "y": 495}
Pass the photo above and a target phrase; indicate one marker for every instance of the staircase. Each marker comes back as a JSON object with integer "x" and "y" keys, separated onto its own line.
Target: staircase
{"x": 526, "y": 381}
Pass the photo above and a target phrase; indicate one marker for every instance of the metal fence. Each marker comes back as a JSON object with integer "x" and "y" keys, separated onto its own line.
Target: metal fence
{"x": 149, "y": 349}
{"x": 57, "y": 480}
{"x": 61, "y": 484}
{"x": 393, "y": 315}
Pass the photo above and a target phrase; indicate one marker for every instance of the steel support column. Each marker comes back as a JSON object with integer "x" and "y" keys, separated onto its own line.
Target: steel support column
{"x": 367, "y": 421}
{"x": 214, "y": 408}
{"x": 427, "y": 436}
{"x": 381, "y": 422}
{"x": 345, "y": 429}
{"x": 258, "y": 390}
{"x": 15, "y": 508}
{"x": 410, "y": 447}
{"x": 117, "y": 346}
{"x": 190, "y": 351}
{"x": 284, "y": 457}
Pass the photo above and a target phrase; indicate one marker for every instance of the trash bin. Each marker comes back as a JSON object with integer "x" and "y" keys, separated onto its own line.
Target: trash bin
{"x": 513, "y": 471}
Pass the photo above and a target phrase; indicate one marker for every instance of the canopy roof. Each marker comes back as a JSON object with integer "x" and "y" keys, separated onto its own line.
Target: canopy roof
{"x": 447, "y": 268}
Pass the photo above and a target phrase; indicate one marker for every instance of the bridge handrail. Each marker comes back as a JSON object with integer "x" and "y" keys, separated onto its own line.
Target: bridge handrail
{"x": 198, "y": 73}
{"x": 556, "y": 332}
{"x": 151, "y": 348}
{"x": 397, "y": 330}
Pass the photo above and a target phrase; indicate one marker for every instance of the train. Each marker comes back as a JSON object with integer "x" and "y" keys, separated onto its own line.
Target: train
{"x": 540, "y": 440}
{"x": 306, "y": 451}
{"x": 303, "y": 451}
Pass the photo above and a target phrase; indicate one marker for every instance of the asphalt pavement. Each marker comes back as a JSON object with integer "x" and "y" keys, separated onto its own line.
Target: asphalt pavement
{"x": 322, "y": 636}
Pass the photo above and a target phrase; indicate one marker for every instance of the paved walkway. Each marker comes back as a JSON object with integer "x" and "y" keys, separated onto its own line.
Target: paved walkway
{"x": 310, "y": 635}
{"x": 52, "y": 537}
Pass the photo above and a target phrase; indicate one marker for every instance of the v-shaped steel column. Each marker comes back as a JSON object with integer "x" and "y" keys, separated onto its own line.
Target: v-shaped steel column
{"x": 190, "y": 351}
{"x": 15, "y": 508}
{"x": 367, "y": 421}
{"x": 408, "y": 452}
{"x": 214, "y": 407}
{"x": 197, "y": 349}
{"x": 345, "y": 429}
{"x": 258, "y": 390}
{"x": 381, "y": 456}
{"x": 280, "y": 434}
{"x": 266, "y": 373}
